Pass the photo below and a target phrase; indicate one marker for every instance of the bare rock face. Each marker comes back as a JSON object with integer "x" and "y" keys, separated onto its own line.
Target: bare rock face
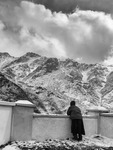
{"x": 9, "y": 91}
{"x": 5, "y": 59}
{"x": 109, "y": 84}
{"x": 51, "y": 83}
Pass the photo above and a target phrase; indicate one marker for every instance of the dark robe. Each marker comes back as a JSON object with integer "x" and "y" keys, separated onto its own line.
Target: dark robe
{"x": 77, "y": 126}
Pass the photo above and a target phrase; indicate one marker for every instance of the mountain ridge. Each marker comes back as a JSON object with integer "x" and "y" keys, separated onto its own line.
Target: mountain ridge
{"x": 51, "y": 83}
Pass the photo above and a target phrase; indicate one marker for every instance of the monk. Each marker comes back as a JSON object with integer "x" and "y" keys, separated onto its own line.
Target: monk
{"x": 77, "y": 126}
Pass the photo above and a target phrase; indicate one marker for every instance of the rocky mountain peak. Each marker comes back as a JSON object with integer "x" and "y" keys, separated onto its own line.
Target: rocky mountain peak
{"x": 5, "y": 59}
{"x": 5, "y": 54}
{"x": 69, "y": 63}
{"x": 31, "y": 54}
{"x": 24, "y": 58}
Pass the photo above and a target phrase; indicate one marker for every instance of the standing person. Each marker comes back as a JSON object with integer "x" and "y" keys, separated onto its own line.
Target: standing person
{"x": 77, "y": 126}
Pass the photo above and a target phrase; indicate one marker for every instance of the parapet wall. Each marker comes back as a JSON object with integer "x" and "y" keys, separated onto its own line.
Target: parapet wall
{"x": 19, "y": 122}
{"x": 106, "y": 124}
{"x": 5, "y": 121}
{"x": 50, "y": 127}
{"x": 59, "y": 126}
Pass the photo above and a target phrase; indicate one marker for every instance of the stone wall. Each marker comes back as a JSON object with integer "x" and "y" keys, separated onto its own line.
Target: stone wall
{"x": 59, "y": 126}
{"x": 106, "y": 125}
{"x": 19, "y": 122}
{"x": 5, "y": 121}
{"x": 50, "y": 127}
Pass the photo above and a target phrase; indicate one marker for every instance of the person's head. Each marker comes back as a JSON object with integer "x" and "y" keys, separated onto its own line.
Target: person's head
{"x": 72, "y": 103}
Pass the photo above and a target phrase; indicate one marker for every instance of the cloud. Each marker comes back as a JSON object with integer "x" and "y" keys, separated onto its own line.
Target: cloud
{"x": 67, "y": 6}
{"x": 109, "y": 59}
{"x": 86, "y": 36}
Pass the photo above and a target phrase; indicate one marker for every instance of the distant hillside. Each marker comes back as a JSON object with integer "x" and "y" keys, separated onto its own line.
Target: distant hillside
{"x": 51, "y": 83}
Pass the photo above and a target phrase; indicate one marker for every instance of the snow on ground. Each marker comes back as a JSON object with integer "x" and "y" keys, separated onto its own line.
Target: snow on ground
{"x": 10, "y": 147}
{"x": 93, "y": 143}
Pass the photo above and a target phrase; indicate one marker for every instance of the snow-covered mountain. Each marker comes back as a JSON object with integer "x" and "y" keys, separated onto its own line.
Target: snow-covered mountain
{"x": 51, "y": 83}
{"x": 5, "y": 59}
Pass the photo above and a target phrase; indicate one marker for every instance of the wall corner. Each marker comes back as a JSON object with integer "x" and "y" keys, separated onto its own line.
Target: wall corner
{"x": 97, "y": 111}
{"x": 22, "y": 120}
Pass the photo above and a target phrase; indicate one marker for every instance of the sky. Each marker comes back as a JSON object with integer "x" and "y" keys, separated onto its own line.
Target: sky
{"x": 56, "y": 28}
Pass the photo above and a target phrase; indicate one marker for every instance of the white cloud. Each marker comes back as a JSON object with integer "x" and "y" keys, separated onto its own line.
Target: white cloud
{"x": 109, "y": 59}
{"x": 83, "y": 34}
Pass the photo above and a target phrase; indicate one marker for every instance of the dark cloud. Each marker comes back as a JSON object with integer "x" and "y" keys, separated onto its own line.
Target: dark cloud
{"x": 68, "y": 6}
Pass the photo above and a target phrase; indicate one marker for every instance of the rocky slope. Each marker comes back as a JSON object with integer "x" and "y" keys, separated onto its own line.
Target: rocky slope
{"x": 9, "y": 91}
{"x": 5, "y": 59}
{"x": 51, "y": 83}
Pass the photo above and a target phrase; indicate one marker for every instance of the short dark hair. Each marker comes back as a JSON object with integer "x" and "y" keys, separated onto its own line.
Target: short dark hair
{"x": 72, "y": 103}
